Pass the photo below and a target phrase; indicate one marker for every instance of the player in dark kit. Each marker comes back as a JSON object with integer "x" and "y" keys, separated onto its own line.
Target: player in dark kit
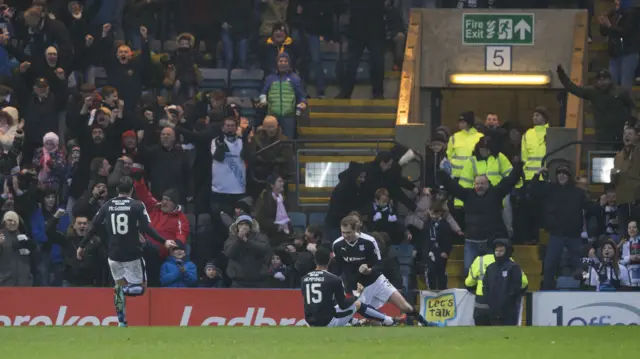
{"x": 358, "y": 259}
{"x": 124, "y": 219}
{"x": 325, "y": 304}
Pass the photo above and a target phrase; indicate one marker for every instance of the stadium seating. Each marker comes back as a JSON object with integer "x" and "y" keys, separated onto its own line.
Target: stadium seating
{"x": 298, "y": 221}
{"x": 246, "y": 83}
{"x": 214, "y": 79}
{"x": 317, "y": 218}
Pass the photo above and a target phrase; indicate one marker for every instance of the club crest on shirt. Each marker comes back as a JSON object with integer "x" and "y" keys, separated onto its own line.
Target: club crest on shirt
{"x": 504, "y": 274}
{"x": 130, "y": 72}
{"x": 361, "y": 247}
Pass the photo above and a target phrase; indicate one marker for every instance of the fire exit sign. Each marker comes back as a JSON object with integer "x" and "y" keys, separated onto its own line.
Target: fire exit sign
{"x": 498, "y": 29}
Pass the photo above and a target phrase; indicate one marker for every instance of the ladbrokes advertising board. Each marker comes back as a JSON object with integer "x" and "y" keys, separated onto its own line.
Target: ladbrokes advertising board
{"x": 158, "y": 307}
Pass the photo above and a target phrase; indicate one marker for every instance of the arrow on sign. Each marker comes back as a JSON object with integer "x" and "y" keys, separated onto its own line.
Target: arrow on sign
{"x": 522, "y": 27}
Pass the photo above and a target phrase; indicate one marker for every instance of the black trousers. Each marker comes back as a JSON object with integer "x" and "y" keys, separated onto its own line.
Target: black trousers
{"x": 357, "y": 45}
{"x": 481, "y": 317}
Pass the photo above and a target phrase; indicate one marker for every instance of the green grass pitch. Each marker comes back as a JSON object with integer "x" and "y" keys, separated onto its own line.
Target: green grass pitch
{"x": 321, "y": 343}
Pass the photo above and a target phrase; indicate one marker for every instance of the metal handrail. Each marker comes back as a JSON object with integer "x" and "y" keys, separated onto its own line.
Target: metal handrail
{"x": 420, "y": 180}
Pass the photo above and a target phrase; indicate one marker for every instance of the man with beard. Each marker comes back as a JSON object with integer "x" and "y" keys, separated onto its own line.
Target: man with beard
{"x": 612, "y": 105}
{"x": 125, "y": 72}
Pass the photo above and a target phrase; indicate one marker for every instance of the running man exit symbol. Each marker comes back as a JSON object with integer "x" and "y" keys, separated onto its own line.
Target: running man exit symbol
{"x": 505, "y": 31}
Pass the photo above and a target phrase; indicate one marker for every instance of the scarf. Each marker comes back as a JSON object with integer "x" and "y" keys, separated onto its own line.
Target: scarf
{"x": 282, "y": 218}
{"x": 379, "y": 210}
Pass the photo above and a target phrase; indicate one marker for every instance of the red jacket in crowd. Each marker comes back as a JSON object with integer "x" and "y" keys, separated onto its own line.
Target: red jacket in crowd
{"x": 171, "y": 226}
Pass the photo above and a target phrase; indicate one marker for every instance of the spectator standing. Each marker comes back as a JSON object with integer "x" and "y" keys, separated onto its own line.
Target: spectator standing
{"x": 625, "y": 175}
{"x": 40, "y": 116}
{"x": 249, "y": 254}
{"x": 15, "y": 251}
{"x": 271, "y": 159}
{"x": 77, "y": 273}
{"x": 630, "y": 254}
{"x": 462, "y": 143}
{"x": 285, "y": 96}
{"x": 503, "y": 285}
{"x": 318, "y": 21}
{"x": 380, "y": 216}
{"x": 483, "y": 210}
{"x": 621, "y": 26}
{"x": 168, "y": 157}
{"x": 236, "y": 29}
{"x": 178, "y": 271}
{"x": 274, "y": 45}
{"x": 563, "y": 205}
{"x": 612, "y": 105}
{"x": 50, "y": 269}
{"x": 273, "y": 12}
{"x": 347, "y": 196}
{"x": 385, "y": 172}
{"x": 436, "y": 243}
{"x": 50, "y": 162}
{"x": 271, "y": 212}
{"x": 279, "y": 272}
{"x": 435, "y": 158}
{"x": 166, "y": 216}
{"x": 124, "y": 72}
{"x": 366, "y": 30}
{"x": 609, "y": 275}
{"x": 212, "y": 277}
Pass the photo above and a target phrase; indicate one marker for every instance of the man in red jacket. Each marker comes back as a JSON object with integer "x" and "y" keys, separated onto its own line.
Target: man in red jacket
{"x": 166, "y": 216}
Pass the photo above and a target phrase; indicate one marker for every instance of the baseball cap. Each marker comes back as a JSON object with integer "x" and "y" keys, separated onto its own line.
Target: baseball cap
{"x": 41, "y": 82}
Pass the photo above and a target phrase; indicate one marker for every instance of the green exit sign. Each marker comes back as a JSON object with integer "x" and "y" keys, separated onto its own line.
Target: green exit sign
{"x": 498, "y": 29}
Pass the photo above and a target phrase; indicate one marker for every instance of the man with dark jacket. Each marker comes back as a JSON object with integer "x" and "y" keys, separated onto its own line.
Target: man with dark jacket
{"x": 621, "y": 26}
{"x": 385, "y": 172}
{"x": 41, "y": 32}
{"x": 166, "y": 158}
{"x": 77, "y": 273}
{"x": 40, "y": 115}
{"x": 249, "y": 254}
{"x": 482, "y": 210}
{"x": 612, "y": 105}
{"x": 318, "y": 20}
{"x": 275, "y": 159}
{"x": 503, "y": 286}
{"x": 366, "y": 30}
{"x": 564, "y": 207}
{"x": 347, "y": 196}
{"x": 125, "y": 72}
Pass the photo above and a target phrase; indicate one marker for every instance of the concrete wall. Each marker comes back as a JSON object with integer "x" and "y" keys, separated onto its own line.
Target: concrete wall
{"x": 443, "y": 52}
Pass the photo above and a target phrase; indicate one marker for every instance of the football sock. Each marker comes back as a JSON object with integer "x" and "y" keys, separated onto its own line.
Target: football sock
{"x": 119, "y": 303}
{"x": 371, "y": 313}
{"x": 133, "y": 290}
{"x": 419, "y": 317}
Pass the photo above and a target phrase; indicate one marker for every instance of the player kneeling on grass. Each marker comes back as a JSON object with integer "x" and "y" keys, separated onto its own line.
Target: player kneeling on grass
{"x": 124, "y": 218}
{"x": 358, "y": 258}
{"x": 321, "y": 291}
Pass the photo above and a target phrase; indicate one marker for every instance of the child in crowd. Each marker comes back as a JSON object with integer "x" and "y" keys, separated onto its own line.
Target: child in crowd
{"x": 211, "y": 277}
{"x": 630, "y": 249}
{"x": 178, "y": 271}
{"x": 279, "y": 273}
{"x": 609, "y": 275}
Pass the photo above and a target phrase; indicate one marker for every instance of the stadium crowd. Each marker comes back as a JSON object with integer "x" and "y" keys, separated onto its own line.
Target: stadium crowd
{"x": 212, "y": 181}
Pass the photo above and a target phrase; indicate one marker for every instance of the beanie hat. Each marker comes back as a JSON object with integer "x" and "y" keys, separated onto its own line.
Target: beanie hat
{"x": 211, "y": 265}
{"x": 244, "y": 218}
{"x": 11, "y": 215}
{"x": 13, "y": 112}
{"x": 283, "y": 55}
{"x": 468, "y": 117}
{"x": 542, "y": 111}
{"x": 439, "y": 136}
{"x": 50, "y": 136}
{"x": 172, "y": 194}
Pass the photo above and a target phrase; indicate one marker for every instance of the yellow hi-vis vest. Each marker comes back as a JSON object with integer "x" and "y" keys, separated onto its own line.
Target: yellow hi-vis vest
{"x": 479, "y": 268}
{"x": 460, "y": 148}
{"x": 495, "y": 168}
{"x": 534, "y": 147}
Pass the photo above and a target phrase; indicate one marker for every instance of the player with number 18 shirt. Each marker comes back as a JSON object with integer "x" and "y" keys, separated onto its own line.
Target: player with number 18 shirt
{"x": 124, "y": 218}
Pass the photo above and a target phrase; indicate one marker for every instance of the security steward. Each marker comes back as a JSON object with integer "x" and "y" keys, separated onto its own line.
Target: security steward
{"x": 475, "y": 282}
{"x": 503, "y": 285}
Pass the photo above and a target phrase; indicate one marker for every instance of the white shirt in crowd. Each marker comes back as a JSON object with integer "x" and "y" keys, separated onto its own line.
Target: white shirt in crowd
{"x": 623, "y": 277}
{"x": 230, "y": 176}
{"x": 629, "y": 248}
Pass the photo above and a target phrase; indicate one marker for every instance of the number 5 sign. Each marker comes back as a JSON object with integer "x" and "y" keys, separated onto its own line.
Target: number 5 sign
{"x": 497, "y": 58}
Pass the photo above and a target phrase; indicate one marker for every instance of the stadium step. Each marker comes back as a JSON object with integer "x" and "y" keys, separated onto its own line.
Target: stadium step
{"x": 349, "y": 106}
{"x": 345, "y": 132}
{"x": 335, "y": 119}
{"x": 526, "y": 253}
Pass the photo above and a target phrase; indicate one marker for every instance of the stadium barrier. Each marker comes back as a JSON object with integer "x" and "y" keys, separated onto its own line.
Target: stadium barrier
{"x": 158, "y": 307}
{"x": 584, "y": 308}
